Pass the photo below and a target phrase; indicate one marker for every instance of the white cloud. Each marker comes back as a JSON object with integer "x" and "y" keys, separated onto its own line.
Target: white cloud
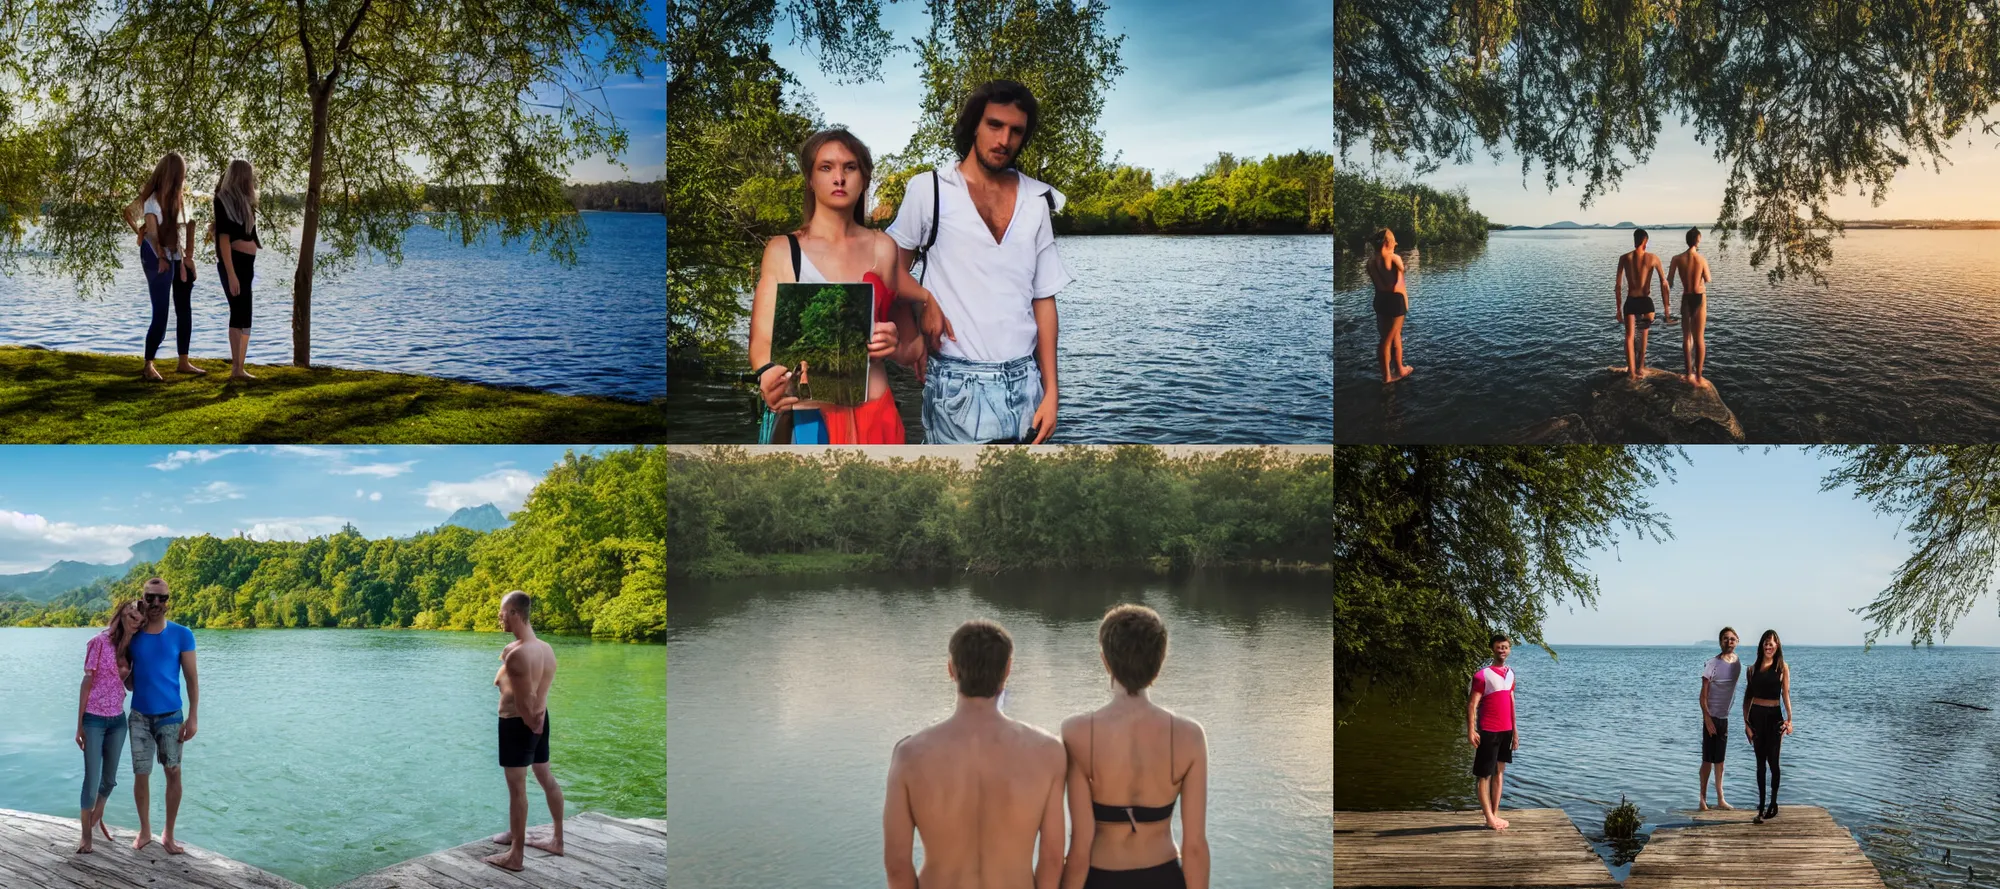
{"x": 304, "y": 528}
{"x": 30, "y": 542}
{"x": 179, "y": 459}
{"x": 506, "y": 488}
{"x": 376, "y": 496}
{"x": 215, "y": 492}
{"x": 379, "y": 470}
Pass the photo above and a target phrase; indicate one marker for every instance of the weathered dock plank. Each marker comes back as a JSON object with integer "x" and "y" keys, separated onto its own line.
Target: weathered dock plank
{"x": 1803, "y": 846}
{"x": 600, "y": 852}
{"x": 40, "y": 850}
{"x": 1540, "y": 849}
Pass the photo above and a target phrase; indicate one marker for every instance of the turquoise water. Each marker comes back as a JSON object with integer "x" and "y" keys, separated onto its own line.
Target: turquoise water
{"x": 325, "y": 754}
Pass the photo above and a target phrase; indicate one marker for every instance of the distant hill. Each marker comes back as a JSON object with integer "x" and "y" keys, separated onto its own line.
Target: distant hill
{"x": 66, "y": 575}
{"x": 484, "y": 517}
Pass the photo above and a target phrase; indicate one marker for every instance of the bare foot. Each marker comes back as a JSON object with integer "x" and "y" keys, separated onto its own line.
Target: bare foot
{"x": 187, "y": 367}
{"x": 1723, "y": 805}
{"x": 1502, "y": 822}
{"x": 143, "y": 840}
{"x": 84, "y": 847}
{"x": 544, "y": 840}
{"x": 1703, "y": 807}
{"x": 1492, "y": 823}
{"x": 151, "y": 374}
{"x": 1401, "y": 372}
{"x": 172, "y": 847}
{"x": 241, "y": 375}
{"x": 504, "y": 861}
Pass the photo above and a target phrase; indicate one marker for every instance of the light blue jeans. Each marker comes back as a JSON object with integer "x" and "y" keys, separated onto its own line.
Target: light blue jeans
{"x": 103, "y": 741}
{"x": 981, "y": 402}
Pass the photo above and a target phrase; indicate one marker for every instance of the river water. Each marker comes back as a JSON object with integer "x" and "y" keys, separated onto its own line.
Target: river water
{"x": 326, "y": 754}
{"x": 1911, "y": 778}
{"x": 1164, "y": 340}
{"x": 1896, "y": 349}
{"x": 788, "y": 695}
{"x": 488, "y": 313}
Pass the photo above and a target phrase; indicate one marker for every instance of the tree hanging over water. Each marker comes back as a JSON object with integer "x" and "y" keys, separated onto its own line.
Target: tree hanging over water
{"x": 1440, "y": 546}
{"x": 383, "y": 115}
{"x": 1948, "y": 497}
{"x": 1801, "y": 102}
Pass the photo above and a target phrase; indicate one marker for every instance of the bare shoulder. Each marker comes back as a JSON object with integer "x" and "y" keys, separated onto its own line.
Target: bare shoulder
{"x": 1190, "y": 731}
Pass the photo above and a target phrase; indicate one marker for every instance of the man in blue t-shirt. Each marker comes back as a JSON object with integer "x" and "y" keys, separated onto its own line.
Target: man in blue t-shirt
{"x": 161, "y": 653}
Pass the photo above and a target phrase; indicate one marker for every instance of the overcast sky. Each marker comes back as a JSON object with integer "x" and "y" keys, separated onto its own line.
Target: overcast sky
{"x": 89, "y": 504}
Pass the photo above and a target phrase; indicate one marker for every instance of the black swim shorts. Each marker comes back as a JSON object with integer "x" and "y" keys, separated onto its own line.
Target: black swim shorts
{"x": 1390, "y": 304}
{"x": 1494, "y": 747}
{"x": 520, "y": 748}
{"x": 1715, "y": 746}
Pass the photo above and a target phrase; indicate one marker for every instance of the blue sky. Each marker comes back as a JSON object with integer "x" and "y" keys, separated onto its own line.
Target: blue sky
{"x": 89, "y": 503}
{"x": 1200, "y": 78}
{"x": 1756, "y": 546}
{"x": 641, "y": 107}
{"x": 1683, "y": 182}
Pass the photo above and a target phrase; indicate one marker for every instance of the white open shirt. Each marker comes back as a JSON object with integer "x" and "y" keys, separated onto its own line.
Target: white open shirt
{"x": 986, "y": 289}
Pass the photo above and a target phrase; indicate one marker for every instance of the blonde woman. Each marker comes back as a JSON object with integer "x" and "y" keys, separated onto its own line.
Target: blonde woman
{"x": 100, "y": 714}
{"x": 236, "y": 254}
{"x": 166, "y": 244}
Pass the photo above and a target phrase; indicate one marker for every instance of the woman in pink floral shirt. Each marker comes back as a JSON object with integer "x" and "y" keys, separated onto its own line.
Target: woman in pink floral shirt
{"x": 100, "y": 713}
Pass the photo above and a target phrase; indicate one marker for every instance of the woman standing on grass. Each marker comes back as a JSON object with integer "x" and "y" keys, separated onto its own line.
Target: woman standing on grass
{"x": 100, "y": 714}
{"x": 158, "y": 217}
{"x": 236, "y": 255}
{"x": 1763, "y": 721}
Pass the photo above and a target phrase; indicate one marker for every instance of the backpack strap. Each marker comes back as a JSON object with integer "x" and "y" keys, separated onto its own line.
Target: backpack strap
{"x": 794, "y": 239}
{"x": 1050, "y": 197}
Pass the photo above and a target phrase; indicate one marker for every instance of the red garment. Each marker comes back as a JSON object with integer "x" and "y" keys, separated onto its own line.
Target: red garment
{"x": 877, "y": 421}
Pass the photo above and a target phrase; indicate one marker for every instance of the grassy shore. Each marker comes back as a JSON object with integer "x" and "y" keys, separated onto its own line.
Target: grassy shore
{"x": 82, "y": 397}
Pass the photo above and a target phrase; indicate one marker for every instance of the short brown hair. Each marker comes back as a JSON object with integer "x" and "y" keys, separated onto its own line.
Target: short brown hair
{"x": 518, "y": 602}
{"x": 809, "y": 155}
{"x": 980, "y": 650}
{"x": 1694, "y": 234}
{"x": 1134, "y": 641}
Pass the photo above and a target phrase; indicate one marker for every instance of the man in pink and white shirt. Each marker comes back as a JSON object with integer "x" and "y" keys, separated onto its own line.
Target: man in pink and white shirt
{"x": 1489, "y": 726}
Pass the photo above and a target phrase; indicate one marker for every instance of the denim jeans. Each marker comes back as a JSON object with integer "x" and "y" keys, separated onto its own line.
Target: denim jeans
{"x": 159, "y": 286}
{"x": 155, "y": 737}
{"x": 103, "y": 741}
{"x": 980, "y": 402}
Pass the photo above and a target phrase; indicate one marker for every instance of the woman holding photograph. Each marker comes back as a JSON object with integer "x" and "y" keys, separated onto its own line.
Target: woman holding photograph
{"x": 100, "y": 714}
{"x": 838, "y": 246}
{"x": 166, "y": 247}
{"x": 236, "y": 254}
{"x": 1126, "y": 754}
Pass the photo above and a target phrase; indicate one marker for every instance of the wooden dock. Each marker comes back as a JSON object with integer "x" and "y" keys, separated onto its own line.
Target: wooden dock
{"x": 1802, "y": 847}
{"x": 598, "y": 851}
{"x": 40, "y": 850}
{"x": 1540, "y": 848}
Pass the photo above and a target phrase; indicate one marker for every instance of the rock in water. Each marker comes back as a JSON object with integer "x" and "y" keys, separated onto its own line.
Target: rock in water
{"x": 1658, "y": 408}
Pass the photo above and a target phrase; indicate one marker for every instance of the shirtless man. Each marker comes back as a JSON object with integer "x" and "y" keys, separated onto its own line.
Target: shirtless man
{"x": 1635, "y": 273}
{"x": 1692, "y": 269}
{"x": 1392, "y": 304}
{"x": 978, "y": 787}
{"x": 527, "y": 669}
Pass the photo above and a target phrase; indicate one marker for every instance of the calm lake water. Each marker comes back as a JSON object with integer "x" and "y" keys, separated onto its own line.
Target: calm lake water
{"x": 1164, "y": 340}
{"x": 492, "y": 314}
{"x": 1895, "y": 349}
{"x": 1909, "y": 777}
{"x": 326, "y": 754}
{"x": 787, "y": 697}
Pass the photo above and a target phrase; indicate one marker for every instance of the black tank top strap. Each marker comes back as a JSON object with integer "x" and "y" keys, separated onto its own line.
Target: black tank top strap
{"x": 794, "y": 239}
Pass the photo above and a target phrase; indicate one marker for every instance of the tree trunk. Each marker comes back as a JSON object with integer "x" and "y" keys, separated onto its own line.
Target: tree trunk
{"x": 302, "y": 279}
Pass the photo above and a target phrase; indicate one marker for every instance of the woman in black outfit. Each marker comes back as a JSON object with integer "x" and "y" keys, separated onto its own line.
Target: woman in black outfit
{"x": 236, "y": 255}
{"x": 1764, "y": 722}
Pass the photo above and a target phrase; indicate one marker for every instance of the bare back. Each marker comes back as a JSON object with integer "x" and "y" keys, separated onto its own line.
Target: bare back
{"x": 978, "y": 792}
{"x": 520, "y": 694}
{"x": 1386, "y": 272}
{"x": 1131, "y": 756}
{"x": 1638, "y": 268}
{"x": 1692, "y": 269}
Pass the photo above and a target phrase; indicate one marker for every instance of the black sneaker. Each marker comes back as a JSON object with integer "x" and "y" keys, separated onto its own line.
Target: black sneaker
{"x": 1771, "y": 812}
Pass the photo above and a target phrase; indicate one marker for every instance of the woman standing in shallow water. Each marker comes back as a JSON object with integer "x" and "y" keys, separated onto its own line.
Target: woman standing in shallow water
{"x": 236, "y": 255}
{"x": 100, "y": 714}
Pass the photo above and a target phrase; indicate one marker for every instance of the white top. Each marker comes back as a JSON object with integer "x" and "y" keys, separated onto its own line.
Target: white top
{"x": 1721, "y": 676}
{"x": 172, "y": 240}
{"x": 987, "y": 289}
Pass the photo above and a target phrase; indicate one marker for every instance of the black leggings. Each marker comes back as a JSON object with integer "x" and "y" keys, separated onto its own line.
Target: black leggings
{"x": 1767, "y": 729}
{"x": 246, "y": 271}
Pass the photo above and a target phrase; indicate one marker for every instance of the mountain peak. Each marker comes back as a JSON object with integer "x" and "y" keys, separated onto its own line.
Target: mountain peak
{"x": 484, "y": 517}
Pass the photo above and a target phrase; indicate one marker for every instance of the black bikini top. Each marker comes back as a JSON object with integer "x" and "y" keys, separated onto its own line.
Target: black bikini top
{"x": 1134, "y": 815}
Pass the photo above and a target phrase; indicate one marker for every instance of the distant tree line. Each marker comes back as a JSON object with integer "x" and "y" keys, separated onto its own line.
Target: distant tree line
{"x": 626, "y": 196}
{"x": 730, "y": 512}
{"x": 1418, "y": 214}
{"x": 588, "y": 545}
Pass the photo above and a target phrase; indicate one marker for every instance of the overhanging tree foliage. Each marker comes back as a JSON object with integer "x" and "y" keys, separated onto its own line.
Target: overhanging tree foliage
{"x": 1800, "y": 101}
{"x": 384, "y": 115}
{"x": 1438, "y": 546}
{"x": 1949, "y": 499}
